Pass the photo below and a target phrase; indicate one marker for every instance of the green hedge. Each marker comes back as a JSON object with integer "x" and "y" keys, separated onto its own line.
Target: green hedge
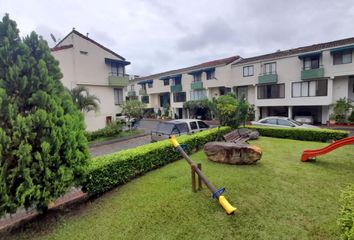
{"x": 110, "y": 130}
{"x": 346, "y": 213}
{"x": 319, "y": 135}
{"x": 106, "y": 172}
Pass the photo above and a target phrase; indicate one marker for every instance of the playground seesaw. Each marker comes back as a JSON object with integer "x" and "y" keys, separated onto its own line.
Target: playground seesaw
{"x": 216, "y": 193}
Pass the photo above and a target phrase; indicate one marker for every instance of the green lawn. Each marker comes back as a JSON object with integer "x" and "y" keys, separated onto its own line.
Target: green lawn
{"x": 278, "y": 198}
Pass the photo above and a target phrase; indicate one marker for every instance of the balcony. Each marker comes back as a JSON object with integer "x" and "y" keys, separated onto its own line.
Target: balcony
{"x": 176, "y": 88}
{"x": 118, "y": 81}
{"x": 312, "y": 73}
{"x": 131, "y": 93}
{"x": 197, "y": 85}
{"x": 268, "y": 78}
{"x": 142, "y": 92}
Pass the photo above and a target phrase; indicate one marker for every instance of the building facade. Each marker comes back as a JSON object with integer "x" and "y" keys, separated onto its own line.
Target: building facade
{"x": 298, "y": 82}
{"x": 84, "y": 62}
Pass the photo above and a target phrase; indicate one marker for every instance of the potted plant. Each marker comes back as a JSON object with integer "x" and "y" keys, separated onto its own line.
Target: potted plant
{"x": 332, "y": 118}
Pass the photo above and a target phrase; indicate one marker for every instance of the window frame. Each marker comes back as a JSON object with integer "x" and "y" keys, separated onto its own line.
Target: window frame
{"x": 166, "y": 82}
{"x": 175, "y": 98}
{"x": 145, "y": 97}
{"x": 308, "y": 88}
{"x": 117, "y": 99}
{"x": 341, "y": 54}
{"x": 266, "y": 85}
{"x": 210, "y": 74}
{"x": 264, "y": 68}
{"x": 248, "y": 71}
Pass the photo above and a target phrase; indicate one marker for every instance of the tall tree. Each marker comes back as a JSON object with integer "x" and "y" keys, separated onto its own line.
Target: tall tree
{"x": 84, "y": 100}
{"x": 43, "y": 149}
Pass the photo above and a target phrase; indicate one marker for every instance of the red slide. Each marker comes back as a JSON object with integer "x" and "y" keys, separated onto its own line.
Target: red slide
{"x": 313, "y": 153}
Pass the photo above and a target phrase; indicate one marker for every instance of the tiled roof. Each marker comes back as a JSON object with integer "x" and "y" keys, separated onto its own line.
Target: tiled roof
{"x": 90, "y": 40}
{"x": 311, "y": 48}
{"x": 201, "y": 66}
{"x": 61, "y": 47}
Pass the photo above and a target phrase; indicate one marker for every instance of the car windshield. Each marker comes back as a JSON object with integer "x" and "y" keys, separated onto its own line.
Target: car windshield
{"x": 171, "y": 128}
{"x": 295, "y": 122}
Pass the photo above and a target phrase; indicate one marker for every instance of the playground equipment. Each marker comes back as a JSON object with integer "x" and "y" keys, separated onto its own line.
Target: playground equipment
{"x": 308, "y": 154}
{"x": 216, "y": 193}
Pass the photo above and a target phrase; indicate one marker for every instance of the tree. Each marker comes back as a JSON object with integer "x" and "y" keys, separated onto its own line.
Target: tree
{"x": 133, "y": 109}
{"x": 43, "y": 149}
{"x": 84, "y": 100}
{"x": 341, "y": 108}
{"x": 202, "y": 106}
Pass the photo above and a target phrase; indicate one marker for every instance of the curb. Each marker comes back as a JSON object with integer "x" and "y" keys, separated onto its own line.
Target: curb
{"x": 117, "y": 140}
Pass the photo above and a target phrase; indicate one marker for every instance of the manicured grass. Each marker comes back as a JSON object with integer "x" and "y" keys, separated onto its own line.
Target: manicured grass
{"x": 123, "y": 134}
{"x": 278, "y": 198}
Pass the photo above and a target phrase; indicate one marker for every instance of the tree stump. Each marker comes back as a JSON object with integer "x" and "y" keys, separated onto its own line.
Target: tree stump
{"x": 232, "y": 153}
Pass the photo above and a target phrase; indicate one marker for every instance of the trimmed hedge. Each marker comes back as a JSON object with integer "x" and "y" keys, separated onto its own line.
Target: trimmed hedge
{"x": 108, "y": 171}
{"x": 110, "y": 130}
{"x": 346, "y": 213}
{"x": 305, "y": 134}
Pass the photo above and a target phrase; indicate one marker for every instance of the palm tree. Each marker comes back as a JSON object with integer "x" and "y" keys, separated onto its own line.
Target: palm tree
{"x": 84, "y": 100}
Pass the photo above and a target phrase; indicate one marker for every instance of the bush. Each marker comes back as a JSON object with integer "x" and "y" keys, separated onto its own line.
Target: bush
{"x": 346, "y": 213}
{"x": 110, "y": 130}
{"x": 318, "y": 135}
{"x": 351, "y": 117}
{"x": 106, "y": 172}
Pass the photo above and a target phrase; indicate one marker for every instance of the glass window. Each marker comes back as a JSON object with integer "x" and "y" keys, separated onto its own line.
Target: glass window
{"x": 342, "y": 57}
{"x": 284, "y": 122}
{"x": 198, "y": 94}
{"x": 166, "y": 82}
{"x": 296, "y": 89}
{"x": 149, "y": 84}
{"x": 271, "y": 91}
{"x": 210, "y": 74}
{"x": 241, "y": 92}
{"x": 145, "y": 99}
{"x": 309, "y": 88}
{"x": 177, "y": 81}
{"x": 179, "y": 97}
{"x": 311, "y": 62}
{"x": 248, "y": 71}
{"x": 193, "y": 125}
{"x": 269, "y": 68}
{"x": 270, "y": 121}
{"x": 312, "y": 89}
{"x": 117, "y": 70}
{"x": 202, "y": 124}
{"x": 304, "y": 89}
{"x": 118, "y": 96}
{"x": 197, "y": 77}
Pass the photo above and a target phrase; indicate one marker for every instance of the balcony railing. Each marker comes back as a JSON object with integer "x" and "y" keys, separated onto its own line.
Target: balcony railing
{"x": 197, "y": 85}
{"x": 142, "y": 92}
{"x": 312, "y": 73}
{"x": 131, "y": 93}
{"x": 176, "y": 88}
{"x": 118, "y": 81}
{"x": 268, "y": 78}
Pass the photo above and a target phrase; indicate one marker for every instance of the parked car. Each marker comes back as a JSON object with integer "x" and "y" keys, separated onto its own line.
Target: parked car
{"x": 177, "y": 127}
{"x": 281, "y": 122}
{"x": 304, "y": 119}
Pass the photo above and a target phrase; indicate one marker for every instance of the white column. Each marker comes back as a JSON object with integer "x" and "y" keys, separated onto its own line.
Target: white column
{"x": 257, "y": 114}
{"x": 290, "y": 112}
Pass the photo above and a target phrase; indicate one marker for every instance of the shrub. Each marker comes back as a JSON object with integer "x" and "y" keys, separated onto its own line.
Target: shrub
{"x": 106, "y": 172}
{"x": 305, "y": 134}
{"x": 43, "y": 149}
{"x": 110, "y": 130}
{"x": 351, "y": 117}
{"x": 346, "y": 213}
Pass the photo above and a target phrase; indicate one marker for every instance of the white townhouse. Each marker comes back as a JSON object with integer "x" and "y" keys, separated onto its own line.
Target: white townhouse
{"x": 299, "y": 81}
{"x": 173, "y": 88}
{"x": 84, "y": 62}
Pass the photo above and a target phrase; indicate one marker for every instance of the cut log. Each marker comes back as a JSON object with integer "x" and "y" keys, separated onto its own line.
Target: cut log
{"x": 232, "y": 153}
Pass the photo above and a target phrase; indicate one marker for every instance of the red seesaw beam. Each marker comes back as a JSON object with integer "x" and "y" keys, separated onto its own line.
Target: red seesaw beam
{"x": 307, "y": 154}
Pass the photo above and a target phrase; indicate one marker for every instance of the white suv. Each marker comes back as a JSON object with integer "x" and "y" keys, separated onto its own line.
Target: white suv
{"x": 177, "y": 127}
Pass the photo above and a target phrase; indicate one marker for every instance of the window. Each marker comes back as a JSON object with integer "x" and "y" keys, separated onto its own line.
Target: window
{"x": 202, "y": 124}
{"x": 271, "y": 91}
{"x": 284, "y": 122}
{"x": 224, "y": 90}
{"x": 210, "y": 74}
{"x": 198, "y": 94}
{"x": 118, "y": 96}
{"x": 117, "y": 70}
{"x": 248, "y": 71}
{"x": 150, "y": 84}
{"x": 342, "y": 57}
{"x": 179, "y": 97}
{"x": 197, "y": 77}
{"x": 177, "y": 81}
{"x": 166, "y": 82}
{"x": 193, "y": 125}
{"x": 241, "y": 92}
{"x": 311, "y": 62}
{"x": 270, "y": 121}
{"x": 314, "y": 88}
{"x": 270, "y": 68}
{"x": 145, "y": 99}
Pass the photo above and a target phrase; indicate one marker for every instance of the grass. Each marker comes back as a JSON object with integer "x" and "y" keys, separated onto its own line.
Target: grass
{"x": 278, "y": 198}
{"x": 120, "y": 135}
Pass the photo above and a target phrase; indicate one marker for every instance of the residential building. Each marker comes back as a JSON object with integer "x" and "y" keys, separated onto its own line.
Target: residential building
{"x": 171, "y": 89}
{"x": 300, "y": 81}
{"x": 85, "y": 62}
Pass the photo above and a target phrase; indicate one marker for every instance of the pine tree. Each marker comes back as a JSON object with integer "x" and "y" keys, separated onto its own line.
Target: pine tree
{"x": 43, "y": 149}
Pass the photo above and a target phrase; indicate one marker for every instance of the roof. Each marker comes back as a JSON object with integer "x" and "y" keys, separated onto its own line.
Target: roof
{"x": 61, "y": 47}
{"x": 315, "y": 47}
{"x": 201, "y": 66}
{"x": 90, "y": 40}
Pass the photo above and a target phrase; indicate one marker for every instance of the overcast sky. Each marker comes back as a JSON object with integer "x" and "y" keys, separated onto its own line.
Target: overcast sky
{"x": 163, "y": 35}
